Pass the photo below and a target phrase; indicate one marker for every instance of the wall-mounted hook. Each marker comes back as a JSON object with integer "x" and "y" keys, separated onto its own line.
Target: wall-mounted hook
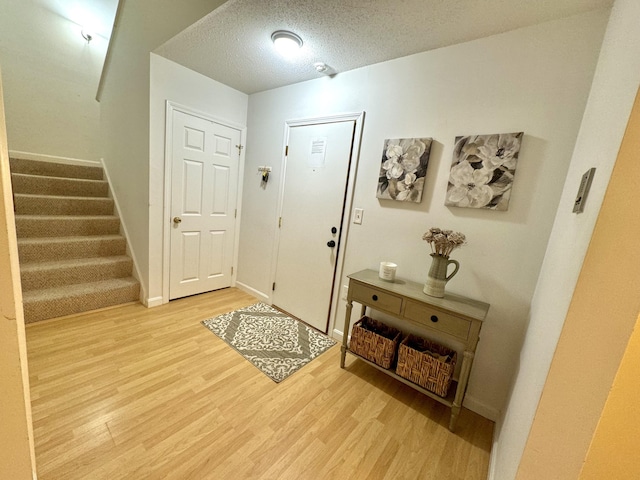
{"x": 265, "y": 173}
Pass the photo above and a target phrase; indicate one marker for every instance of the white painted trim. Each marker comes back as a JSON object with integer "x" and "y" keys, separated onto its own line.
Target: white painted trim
{"x": 53, "y": 159}
{"x": 495, "y": 446}
{"x": 358, "y": 119}
{"x": 348, "y": 210}
{"x": 236, "y": 242}
{"x": 166, "y": 208}
{"x": 153, "y": 302}
{"x": 480, "y": 408}
{"x": 339, "y": 117}
{"x": 252, "y": 291}
{"x": 125, "y": 233}
{"x": 276, "y": 238}
{"x": 337, "y": 335}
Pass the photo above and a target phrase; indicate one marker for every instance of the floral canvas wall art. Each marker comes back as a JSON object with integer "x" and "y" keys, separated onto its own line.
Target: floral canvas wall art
{"x": 482, "y": 170}
{"x": 404, "y": 167}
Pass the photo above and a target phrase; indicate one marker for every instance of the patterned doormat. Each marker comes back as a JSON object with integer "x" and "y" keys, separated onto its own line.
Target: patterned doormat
{"x": 274, "y": 342}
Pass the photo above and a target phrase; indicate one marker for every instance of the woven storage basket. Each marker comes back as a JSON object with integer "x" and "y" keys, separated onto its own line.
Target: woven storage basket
{"x": 427, "y": 371}
{"x": 375, "y": 341}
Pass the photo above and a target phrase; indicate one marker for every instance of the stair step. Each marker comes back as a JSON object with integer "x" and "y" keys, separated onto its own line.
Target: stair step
{"x": 45, "y": 185}
{"x": 66, "y": 226}
{"x": 51, "y": 169}
{"x": 31, "y": 204}
{"x": 58, "y": 248}
{"x": 68, "y": 299}
{"x": 40, "y": 275}
{"x": 72, "y": 257}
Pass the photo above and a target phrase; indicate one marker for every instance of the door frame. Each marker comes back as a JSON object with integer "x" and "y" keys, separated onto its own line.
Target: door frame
{"x": 358, "y": 119}
{"x": 172, "y": 107}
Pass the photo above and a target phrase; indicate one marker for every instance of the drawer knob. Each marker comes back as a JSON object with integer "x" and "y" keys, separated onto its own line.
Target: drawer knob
{"x": 375, "y": 298}
{"x": 434, "y": 318}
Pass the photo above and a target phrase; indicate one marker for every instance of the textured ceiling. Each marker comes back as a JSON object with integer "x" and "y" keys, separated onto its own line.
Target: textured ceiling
{"x": 232, "y": 44}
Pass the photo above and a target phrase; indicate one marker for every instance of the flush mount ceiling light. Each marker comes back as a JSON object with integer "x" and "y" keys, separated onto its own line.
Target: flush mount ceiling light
{"x": 287, "y": 43}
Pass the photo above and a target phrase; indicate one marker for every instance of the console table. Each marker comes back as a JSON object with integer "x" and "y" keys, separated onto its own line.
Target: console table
{"x": 457, "y": 317}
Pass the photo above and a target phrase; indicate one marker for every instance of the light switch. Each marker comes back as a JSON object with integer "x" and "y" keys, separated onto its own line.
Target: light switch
{"x": 357, "y": 215}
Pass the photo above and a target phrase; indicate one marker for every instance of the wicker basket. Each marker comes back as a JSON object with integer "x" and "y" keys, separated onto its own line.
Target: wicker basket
{"x": 417, "y": 365}
{"x": 375, "y": 341}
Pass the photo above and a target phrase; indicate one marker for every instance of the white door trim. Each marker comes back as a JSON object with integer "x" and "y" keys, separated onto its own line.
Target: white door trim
{"x": 358, "y": 119}
{"x": 166, "y": 209}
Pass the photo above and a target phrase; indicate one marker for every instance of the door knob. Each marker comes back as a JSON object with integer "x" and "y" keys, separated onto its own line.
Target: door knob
{"x": 177, "y": 220}
{"x": 331, "y": 244}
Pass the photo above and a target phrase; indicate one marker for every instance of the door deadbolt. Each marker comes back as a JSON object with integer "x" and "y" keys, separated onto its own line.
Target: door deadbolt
{"x": 177, "y": 220}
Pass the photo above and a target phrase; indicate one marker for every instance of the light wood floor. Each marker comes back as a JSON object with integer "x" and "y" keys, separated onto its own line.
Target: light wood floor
{"x": 141, "y": 393}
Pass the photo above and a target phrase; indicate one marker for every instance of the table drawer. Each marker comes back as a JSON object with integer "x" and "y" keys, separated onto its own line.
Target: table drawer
{"x": 375, "y": 298}
{"x": 456, "y": 326}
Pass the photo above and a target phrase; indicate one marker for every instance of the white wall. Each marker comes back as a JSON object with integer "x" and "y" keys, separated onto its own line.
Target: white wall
{"x": 614, "y": 88}
{"x": 534, "y": 80}
{"x": 50, "y": 76}
{"x": 124, "y": 109}
{"x": 173, "y": 82}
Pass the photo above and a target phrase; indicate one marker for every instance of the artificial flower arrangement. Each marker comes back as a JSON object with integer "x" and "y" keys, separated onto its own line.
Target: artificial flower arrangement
{"x": 443, "y": 242}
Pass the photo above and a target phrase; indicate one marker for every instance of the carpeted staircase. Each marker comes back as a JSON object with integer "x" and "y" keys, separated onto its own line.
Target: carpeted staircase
{"x": 72, "y": 256}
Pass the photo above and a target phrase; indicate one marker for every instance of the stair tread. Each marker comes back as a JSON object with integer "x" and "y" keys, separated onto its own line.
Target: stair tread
{"x": 73, "y": 179}
{"x": 65, "y": 217}
{"x": 73, "y": 262}
{"x": 56, "y": 169}
{"x": 82, "y": 238}
{"x": 77, "y": 290}
{"x": 62, "y": 197}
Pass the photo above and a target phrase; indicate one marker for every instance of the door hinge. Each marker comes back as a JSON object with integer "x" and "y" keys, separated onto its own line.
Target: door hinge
{"x": 280, "y": 222}
{"x": 273, "y": 287}
{"x": 235, "y": 214}
{"x": 286, "y": 151}
{"x": 231, "y": 271}
{"x": 239, "y": 147}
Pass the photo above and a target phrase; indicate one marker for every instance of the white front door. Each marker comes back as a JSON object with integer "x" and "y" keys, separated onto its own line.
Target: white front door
{"x": 315, "y": 183}
{"x": 204, "y": 182}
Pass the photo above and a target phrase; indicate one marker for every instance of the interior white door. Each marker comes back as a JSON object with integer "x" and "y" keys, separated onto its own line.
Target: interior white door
{"x": 317, "y": 167}
{"x": 204, "y": 185}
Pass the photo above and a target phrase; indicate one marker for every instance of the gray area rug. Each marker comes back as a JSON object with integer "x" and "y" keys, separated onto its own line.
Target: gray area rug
{"x": 274, "y": 342}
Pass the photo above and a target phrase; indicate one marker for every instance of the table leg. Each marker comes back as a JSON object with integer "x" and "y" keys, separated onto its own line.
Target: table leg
{"x": 467, "y": 361}
{"x": 345, "y": 332}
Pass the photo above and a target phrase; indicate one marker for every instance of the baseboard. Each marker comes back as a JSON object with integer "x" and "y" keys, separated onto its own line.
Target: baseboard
{"x": 480, "y": 408}
{"x": 337, "y": 335}
{"x": 252, "y": 291}
{"x": 153, "y": 302}
{"x": 136, "y": 270}
{"x": 53, "y": 159}
{"x": 495, "y": 446}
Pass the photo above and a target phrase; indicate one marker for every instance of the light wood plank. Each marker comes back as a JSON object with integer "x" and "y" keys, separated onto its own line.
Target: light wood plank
{"x": 132, "y": 392}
